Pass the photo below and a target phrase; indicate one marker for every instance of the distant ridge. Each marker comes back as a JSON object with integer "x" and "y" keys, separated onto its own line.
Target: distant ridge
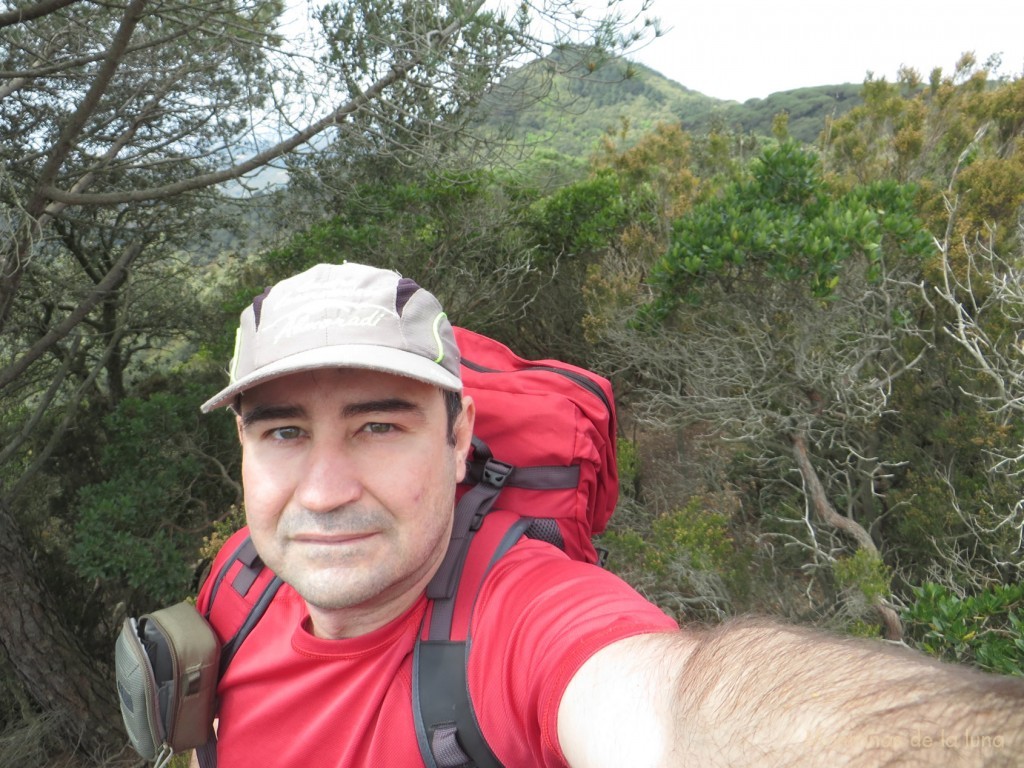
{"x": 582, "y": 102}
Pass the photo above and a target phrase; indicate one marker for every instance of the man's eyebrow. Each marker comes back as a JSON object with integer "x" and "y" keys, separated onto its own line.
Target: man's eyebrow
{"x": 283, "y": 412}
{"x": 385, "y": 405}
{"x": 271, "y": 413}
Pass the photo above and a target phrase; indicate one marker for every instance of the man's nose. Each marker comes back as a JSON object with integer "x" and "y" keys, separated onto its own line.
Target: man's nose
{"x": 330, "y": 478}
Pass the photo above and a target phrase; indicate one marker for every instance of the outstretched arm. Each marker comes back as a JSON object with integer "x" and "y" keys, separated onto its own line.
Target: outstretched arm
{"x": 760, "y": 694}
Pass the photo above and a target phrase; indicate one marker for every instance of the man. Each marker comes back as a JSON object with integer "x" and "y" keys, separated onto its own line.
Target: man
{"x": 345, "y": 387}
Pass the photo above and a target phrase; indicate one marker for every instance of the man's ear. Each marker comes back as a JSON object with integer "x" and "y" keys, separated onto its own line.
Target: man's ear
{"x": 238, "y": 426}
{"x": 464, "y": 436}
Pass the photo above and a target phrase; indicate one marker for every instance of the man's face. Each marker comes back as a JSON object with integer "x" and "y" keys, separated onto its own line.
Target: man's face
{"x": 349, "y": 483}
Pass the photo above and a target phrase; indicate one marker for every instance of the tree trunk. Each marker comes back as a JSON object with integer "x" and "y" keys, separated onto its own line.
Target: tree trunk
{"x": 823, "y": 508}
{"x": 54, "y": 671}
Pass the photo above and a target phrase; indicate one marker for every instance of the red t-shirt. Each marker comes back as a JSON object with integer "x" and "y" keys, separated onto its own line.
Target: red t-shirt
{"x": 292, "y": 700}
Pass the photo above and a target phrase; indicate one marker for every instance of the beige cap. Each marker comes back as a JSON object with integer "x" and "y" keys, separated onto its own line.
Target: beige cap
{"x": 342, "y": 316}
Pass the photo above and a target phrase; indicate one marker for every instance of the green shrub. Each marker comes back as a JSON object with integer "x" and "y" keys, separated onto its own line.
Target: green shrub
{"x": 865, "y": 572}
{"x": 686, "y": 560}
{"x": 139, "y": 526}
{"x": 985, "y": 630}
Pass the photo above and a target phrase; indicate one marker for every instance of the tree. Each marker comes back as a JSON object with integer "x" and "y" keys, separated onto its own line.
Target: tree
{"x": 962, "y": 128}
{"x": 461, "y": 232}
{"x": 120, "y": 119}
{"x": 979, "y": 299}
{"x": 959, "y": 530}
{"x": 781, "y": 317}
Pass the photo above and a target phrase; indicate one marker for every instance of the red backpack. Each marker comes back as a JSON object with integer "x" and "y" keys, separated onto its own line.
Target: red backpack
{"x": 544, "y": 441}
{"x": 554, "y": 424}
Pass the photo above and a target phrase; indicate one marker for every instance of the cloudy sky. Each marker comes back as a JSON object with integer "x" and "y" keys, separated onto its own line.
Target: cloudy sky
{"x": 742, "y": 49}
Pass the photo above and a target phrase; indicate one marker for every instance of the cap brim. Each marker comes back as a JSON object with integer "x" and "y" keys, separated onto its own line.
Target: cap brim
{"x": 384, "y": 359}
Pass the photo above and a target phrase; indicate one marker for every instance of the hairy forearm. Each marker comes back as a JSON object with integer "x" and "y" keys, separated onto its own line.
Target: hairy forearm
{"x": 766, "y": 695}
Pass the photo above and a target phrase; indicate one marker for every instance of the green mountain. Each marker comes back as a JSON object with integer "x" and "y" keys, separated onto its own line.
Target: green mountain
{"x": 581, "y": 102}
{"x": 808, "y": 109}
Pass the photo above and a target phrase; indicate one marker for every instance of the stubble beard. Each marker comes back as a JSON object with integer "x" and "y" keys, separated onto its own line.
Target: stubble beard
{"x": 356, "y": 575}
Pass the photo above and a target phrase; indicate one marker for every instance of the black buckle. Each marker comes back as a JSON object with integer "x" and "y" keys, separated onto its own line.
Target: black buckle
{"x": 496, "y": 473}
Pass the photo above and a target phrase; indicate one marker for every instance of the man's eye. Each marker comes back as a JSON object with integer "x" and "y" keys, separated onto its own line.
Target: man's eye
{"x": 286, "y": 433}
{"x": 379, "y": 428}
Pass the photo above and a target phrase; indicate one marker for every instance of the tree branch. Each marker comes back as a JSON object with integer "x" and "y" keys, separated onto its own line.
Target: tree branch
{"x": 396, "y": 73}
{"x": 21, "y": 15}
{"x": 73, "y": 127}
{"x": 58, "y": 332}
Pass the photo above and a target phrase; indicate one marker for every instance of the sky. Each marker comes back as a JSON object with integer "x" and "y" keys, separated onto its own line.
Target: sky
{"x": 743, "y": 49}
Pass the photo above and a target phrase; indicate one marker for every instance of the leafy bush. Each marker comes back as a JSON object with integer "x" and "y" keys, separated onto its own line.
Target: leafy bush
{"x": 686, "y": 560}
{"x": 784, "y": 222}
{"x": 986, "y": 629}
{"x": 865, "y": 572}
{"x": 138, "y": 529}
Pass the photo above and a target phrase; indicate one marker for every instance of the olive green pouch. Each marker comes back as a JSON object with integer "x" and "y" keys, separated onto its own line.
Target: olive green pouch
{"x": 166, "y": 664}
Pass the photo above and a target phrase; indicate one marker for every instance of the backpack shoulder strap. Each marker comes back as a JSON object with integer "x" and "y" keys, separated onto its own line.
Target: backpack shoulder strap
{"x": 250, "y": 573}
{"x": 447, "y": 729}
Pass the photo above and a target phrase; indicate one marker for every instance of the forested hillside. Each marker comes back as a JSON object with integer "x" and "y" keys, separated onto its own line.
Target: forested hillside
{"x": 583, "y": 104}
{"x": 810, "y": 307}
